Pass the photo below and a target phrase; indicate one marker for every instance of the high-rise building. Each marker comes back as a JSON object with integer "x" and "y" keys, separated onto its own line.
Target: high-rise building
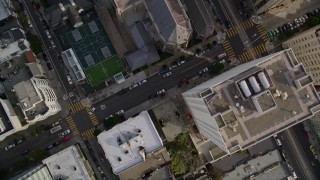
{"x": 306, "y": 47}
{"x": 253, "y": 101}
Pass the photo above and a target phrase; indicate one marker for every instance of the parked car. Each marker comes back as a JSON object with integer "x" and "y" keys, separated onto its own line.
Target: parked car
{"x": 106, "y": 118}
{"x": 19, "y": 142}
{"x": 161, "y": 92}
{"x": 25, "y": 152}
{"x": 49, "y": 147}
{"x": 142, "y": 82}
{"x": 56, "y": 143}
{"x": 49, "y": 66}
{"x": 55, "y": 124}
{"x": 10, "y": 146}
{"x": 133, "y": 86}
{"x": 66, "y": 138}
{"x": 69, "y": 79}
{"x": 152, "y": 96}
{"x": 167, "y": 74}
{"x": 65, "y": 132}
{"x": 123, "y": 91}
{"x": 100, "y": 170}
{"x": 48, "y": 34}
{"x": 120, "y": 112}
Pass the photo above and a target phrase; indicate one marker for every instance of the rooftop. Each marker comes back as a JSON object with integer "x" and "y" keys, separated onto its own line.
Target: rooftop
{"x": 128, "y": 143}
{"x": 254, "y": 100}
{"x": 69, "y": 163}
{"x": 4, "y": 11}
{"x": 170, "y": 20}
{"x": 39, "y": 172}
{"x": 267, "y": 166}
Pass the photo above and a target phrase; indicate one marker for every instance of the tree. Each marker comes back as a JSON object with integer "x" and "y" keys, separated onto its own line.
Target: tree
{"x": 217, "y": 68}
{"x": 209, "y": 45}
{"x": 282, "y": 37}
{"x": 3, "y": 173}
{"x": 176, "y": 165}
{"x": 215, "y": 173}
{"x": 112, "y": 121}
{"x": 289, "y": 33}
{"x": 35, "y": 43}
{"x": 313, "y": 21}
{"x": 23, "y": 19}
{"x": 37, "y": 155}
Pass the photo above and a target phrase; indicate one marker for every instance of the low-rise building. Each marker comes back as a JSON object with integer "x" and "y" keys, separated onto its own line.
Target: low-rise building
{"x": 36, "y": 99}
{"x": 170, "y": 24}
{"x": 13, "y": 43}
{"x": 39, "y": 172}
{"x": 268, "y": 166}
{"x": 7, "y": 11}
{"x": 69, "y": 163}
{"x": 130, "y": 143}
{"x": 252, "y": 102}
{"x": 9, "y": 121}
{"x": 200, "y": 18}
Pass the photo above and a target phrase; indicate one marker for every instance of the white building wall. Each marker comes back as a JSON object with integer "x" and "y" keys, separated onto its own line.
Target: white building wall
{"x": 48, "y": 96}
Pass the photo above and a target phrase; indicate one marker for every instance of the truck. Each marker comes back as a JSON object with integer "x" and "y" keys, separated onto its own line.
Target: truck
{"x": 55, "y": 129}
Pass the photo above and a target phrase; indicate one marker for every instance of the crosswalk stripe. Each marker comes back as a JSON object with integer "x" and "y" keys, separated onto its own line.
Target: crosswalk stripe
{"x": 264, "y": 49}
{"x": 228, "y": 33}
{"x": 250, "y": 23}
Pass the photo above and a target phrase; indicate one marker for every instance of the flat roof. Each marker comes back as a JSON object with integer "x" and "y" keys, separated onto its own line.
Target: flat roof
{"x": 126, "y": 144}
{"x": 267, "y": 166}
{"x": 244, "y": 120}
{"x": 69, "y": 163}
{"x": 26, "y": 94}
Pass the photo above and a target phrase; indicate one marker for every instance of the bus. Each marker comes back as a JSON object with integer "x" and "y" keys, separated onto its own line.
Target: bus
{"x": 55, "y": 129}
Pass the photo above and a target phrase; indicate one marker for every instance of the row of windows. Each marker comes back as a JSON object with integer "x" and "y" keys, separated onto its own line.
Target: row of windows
{"x": 297, "y": 41}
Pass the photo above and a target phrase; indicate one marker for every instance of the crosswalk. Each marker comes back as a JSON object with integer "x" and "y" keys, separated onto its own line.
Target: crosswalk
{"x": 75, "y": 107}
{"x": 262, "y": 32}
{"x": 228, "y": 49}
{"x": 235, "y": 29}
{"x": 92, "y": 117}
{"x": 255, "y": 51}
{"x": 72, "y": 126}
{"x": 88, "y": 134}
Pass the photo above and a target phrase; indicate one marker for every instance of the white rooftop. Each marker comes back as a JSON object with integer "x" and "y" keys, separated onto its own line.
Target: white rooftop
{"x": 126, "y": 144}
{"x": 68, "y": 164}
{"x": 14, "y": 49}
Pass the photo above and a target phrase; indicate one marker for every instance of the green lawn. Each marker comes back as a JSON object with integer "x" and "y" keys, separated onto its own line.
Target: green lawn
{"x": 101, "y": 71}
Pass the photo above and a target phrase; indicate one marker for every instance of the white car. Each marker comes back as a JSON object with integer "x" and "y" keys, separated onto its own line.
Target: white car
{"x": 48, "y": 34}
{"x": 120, "y": 112}
{"x": 69, "y": 79}
{"x": 278, "y": 142}
{"x": 133, "y": 86}
{"x": 142, "y": 82}
{"x": 161, "y": 92}
{"x": 9, "y": 147}
{"x": 167, "y": 74}
{"x": 65, "y": 132}
{"x": 106, "y": 118}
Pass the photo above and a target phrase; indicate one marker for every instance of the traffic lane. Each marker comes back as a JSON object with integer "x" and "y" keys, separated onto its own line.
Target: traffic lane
{"x": 41, "y": 141}
{"x": 237, "y": 45}
{"x": 53, "y": 54}
{"x": 140, "y": 94}
{"x": 241, "y": 10}
{"x": 82, "y": 120}
{"x": 213, "y": 52}
{"x": 314, "y": 164}
{"x": 289, "y": 156}
{"x": 218, "y": 11}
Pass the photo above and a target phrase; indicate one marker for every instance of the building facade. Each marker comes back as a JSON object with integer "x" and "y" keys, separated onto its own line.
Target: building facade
{"x": 253, "y": 101}
{"x": 306, "y": 47}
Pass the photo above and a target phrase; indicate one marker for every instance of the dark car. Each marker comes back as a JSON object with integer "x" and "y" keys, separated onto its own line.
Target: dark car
{"x": 56, "y": 143}
{"x": 49, "y": 147}
{"x": 228, "y": 24}
{"x": 152, "y": 96}
{"x": 123, "y": 91}
{"x": 49, "y": 66}
{"x": 25, "y": 152}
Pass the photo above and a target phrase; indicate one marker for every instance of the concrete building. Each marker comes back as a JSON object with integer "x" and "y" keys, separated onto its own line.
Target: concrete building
{"x": 200, "y": 18}
{"x": 7, "y": 11}
{"x": 38, "y": 173}
{"x": 306, "y": 47}
{"x": 129, "y": 143}
{"x": 170, "y": 25}
{"x": 268, "y": 166}
{"x": 262, "y": 7}
{"x": 36, "y": 99}
{"x": 252, "y": 101}
{"x": 70, "y": 10}
{"x": 9, "y": 121}
{"x": 130, "y": 11}
{"x": 69, "y": 163}
{"x": 13, "y": 43}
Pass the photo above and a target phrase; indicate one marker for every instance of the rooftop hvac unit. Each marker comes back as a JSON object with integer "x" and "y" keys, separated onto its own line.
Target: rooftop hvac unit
{"x": 245, "y": 89}
{"x": 263, "y": 79}
{"x": 254, "y": 84}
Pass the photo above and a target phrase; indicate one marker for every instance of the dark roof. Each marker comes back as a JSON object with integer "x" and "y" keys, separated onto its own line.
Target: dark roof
{"x": 147, "y": 53}
{"x": 200, "y": 17}
{"x": 11, "y": 24}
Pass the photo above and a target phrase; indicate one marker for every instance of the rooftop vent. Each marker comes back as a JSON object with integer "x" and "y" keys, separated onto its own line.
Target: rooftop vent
{"x": 74, "y": 168}
{"x": 138, "y": 130}
{"x": 119, "y": 141}
{"x": 126, "y": 152}
{"x": 119, "y": 159}
{"x": 58, "y": 167}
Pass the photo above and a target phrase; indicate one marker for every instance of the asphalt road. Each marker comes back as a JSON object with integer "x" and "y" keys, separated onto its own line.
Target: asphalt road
{"x": 298, "y": 154}
{"x": 51, "y": 52}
